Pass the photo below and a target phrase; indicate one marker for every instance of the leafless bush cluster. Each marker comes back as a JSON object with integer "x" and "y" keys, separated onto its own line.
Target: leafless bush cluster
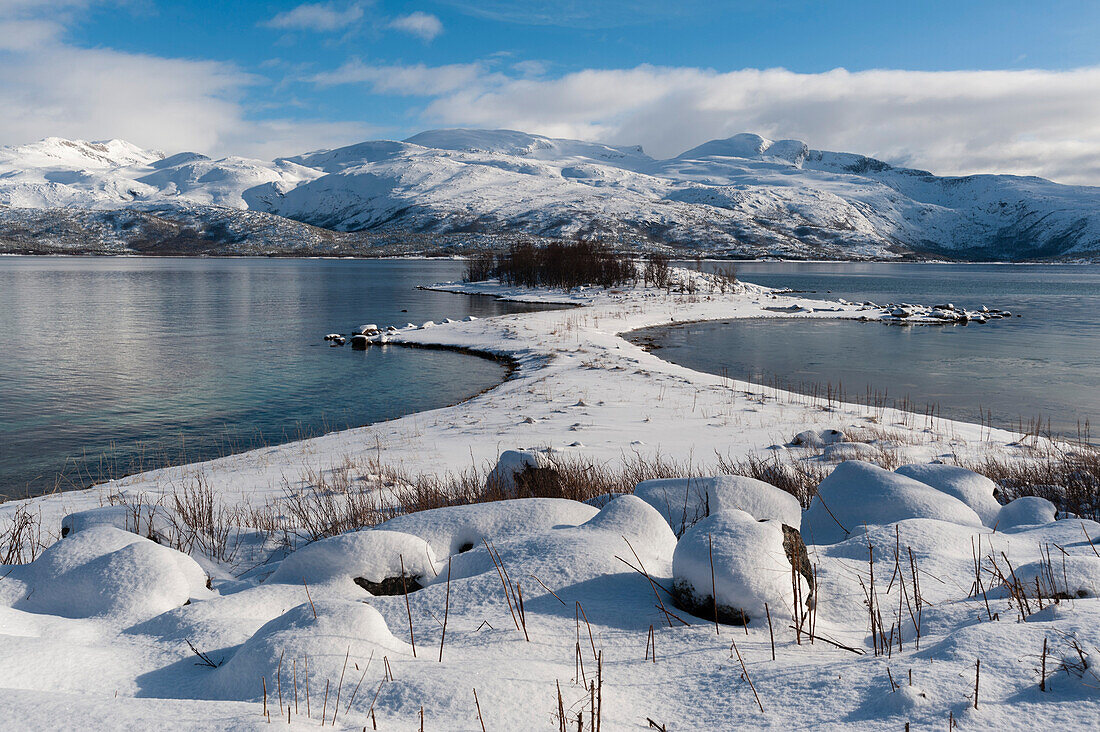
{"x": 21, "y": 541}
{"x": 657, "y": 270}
{"x": 557, "y": 264}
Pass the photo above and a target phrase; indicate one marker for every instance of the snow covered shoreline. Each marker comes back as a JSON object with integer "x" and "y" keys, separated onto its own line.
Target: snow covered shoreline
{"x": 579, "y": 390}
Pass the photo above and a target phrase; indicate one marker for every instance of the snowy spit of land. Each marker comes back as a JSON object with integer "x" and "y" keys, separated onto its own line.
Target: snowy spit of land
{"x": 200, "y": 596}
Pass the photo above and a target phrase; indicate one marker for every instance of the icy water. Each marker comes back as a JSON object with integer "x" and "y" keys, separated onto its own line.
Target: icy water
{"x": 109, "y": 365}
{"x": 1045, "y": 364}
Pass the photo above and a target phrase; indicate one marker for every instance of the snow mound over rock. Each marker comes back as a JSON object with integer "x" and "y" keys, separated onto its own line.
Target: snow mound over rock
{"x": 750, "y": 568}
{"x": 579, "y": 563}
{"x": 511, "y": 466}
{"x": 841, "y": 451}
{"x": 107, "y": 572}
{"x": 340, "y": 629}
{"x": 971, "y": 488}
{"x": 818, "y": 438}
{"x": 451, "y": 529}
{"x": 373, "y": 555}
{"x": 152, "y": 522}
{"x": 857, "y": 494}
{"x": 1064, "y": 577}
{"x": 685, "y": 501}
{"x": 1025, "y": 511}
{"x": 639, "y": 522}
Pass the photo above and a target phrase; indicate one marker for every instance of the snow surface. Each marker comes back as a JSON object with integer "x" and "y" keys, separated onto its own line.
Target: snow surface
{"x": 744, "y": 194}
{"x": 106, "y": 644}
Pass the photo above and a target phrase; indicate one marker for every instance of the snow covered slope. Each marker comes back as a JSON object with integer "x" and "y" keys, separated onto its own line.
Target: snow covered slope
{"x": 743, "y": 195}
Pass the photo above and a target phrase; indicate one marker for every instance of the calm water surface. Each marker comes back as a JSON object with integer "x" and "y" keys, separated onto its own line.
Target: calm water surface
{"x": 1045, "y": 364}
{"x": 113, "y": 364}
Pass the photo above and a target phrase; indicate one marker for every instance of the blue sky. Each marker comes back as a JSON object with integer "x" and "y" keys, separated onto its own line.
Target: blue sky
{"x": 956, "y": 87}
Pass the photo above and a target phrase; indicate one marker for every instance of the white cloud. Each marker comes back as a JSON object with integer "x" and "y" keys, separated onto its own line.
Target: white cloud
{"x": 582, "y": 13}
{"x": 422, "y": 25}
{"x": 952, "y": 122}
{"x": 320, "y": 17}
{"x": 411, "y": 80}
{"x": 53, "y": 88}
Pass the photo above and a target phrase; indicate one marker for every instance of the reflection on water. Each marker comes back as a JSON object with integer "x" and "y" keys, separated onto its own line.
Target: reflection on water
{"x": 1046, "y": 363}
{"x": 108, "y": 365}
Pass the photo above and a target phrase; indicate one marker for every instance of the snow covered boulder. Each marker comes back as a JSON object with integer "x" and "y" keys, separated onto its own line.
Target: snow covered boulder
{"x": 456, "y": 529}
{"x": 857, "y": 494}
{"x": 750, "y": 568}
{"x": 373, "y": 559}
{"x": 106, "y": 572}
{"x": 684, "y": 501}
{"x": 973, "y": 489}
{"x": 325, "y": 631}
{"x": 152, "y": 522}
{"x": 818, "y": 438}
{"x": 1064, "y": 577}
{"x": 1025, "y": 511}
{"x": 841, "y": 451}
{"x": 523, "y": 471}
{"x": 637, "y": 521}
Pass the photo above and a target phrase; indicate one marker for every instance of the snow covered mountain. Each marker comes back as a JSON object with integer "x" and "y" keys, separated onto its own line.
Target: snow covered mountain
{"x": 744, "y": 195}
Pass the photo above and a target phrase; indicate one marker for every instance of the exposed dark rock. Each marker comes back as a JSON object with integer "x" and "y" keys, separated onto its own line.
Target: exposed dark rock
{"x": 686, "y": 599}
{"x": 797, "y": 554}
{"x": 539, "y": 482}
{"x": 390, "y": 585}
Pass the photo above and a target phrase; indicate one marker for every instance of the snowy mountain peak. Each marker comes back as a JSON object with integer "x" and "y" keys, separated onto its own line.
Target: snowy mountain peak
{"x": 523, "y": 144}
{"x": 749, "y": 145}
{"x": 78, "y": 154}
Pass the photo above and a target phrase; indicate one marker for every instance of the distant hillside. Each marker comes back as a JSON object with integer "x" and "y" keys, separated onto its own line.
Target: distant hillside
{"x": 742, "y": 196}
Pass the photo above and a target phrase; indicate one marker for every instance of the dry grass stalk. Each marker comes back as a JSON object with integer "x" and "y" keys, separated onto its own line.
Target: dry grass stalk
{"x": 446, "y": 612}
{"x": 748, "y": 678}
{"x": 408, "y": 607}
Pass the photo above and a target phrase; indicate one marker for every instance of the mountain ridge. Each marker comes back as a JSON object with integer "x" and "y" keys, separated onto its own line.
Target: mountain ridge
{"x": 742, "y": 196}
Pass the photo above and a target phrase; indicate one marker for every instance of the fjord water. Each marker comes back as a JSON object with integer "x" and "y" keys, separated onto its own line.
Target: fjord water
{"x": 108, "y": 365}
{"x": 1045, "y": 364}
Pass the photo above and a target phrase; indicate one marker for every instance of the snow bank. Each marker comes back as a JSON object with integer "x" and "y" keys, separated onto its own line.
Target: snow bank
{"x": 973, "y": 489}
{"x": 326, "y": 632}
{"x": 451, "y": 529}
{"x": 1025, "y": 511}
{"x": 684, "y": 501}
{"x": 107, "y": 572}
{"x": 750, "y": 567}
{"x": 1063, "y": 577}
{"x": 373, "y": 555}
{"x": 857, "y": 494}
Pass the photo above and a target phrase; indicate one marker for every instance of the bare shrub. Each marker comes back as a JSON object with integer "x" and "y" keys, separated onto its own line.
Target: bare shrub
{"x": 21, "y": 542}
{"x": 564, "y": 265}
{"x": 480, "y": 266}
